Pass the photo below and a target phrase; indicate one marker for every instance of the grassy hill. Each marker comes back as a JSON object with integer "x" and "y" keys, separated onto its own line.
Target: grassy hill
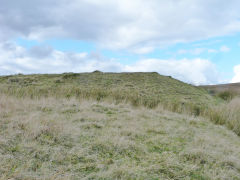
{"x": 148, "y": 89}
{"x": 115, "y": 126}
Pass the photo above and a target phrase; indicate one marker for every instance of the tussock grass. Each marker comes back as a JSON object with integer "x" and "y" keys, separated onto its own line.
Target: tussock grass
{"x": 226, "y": 95}
{"x": 227, "y": 114}
{"x": 49, "y": 138}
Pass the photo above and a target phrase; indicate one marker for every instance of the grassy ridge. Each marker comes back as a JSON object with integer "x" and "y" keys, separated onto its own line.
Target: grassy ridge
{"x": 147, "y": 89}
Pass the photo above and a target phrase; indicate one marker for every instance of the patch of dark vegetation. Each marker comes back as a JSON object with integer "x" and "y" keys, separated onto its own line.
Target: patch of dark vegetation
{"x": 70, "y": 75}
{"x": 102, "y": 109}
{"x": 226, "y": 95}
{"x": 71, "y": 111}
{"x": 92, "y": 126}
{"x": 97, "y": 71}
{"x": 211, "y": 92}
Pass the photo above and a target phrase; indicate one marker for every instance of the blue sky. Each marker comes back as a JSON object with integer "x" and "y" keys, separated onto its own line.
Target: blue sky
{"x": 197, "y": 42}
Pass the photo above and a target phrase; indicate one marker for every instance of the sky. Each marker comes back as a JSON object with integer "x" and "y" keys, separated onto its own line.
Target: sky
{"x": 195, "y": 41}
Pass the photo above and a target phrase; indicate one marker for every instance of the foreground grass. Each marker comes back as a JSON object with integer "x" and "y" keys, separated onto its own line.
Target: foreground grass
{"x": 47, "y": 138}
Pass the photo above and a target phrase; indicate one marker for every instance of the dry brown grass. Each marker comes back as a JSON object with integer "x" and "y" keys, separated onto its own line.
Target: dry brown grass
{"x": 48, "y": 138}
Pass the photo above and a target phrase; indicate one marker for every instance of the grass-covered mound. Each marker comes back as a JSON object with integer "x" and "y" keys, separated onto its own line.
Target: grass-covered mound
{"x": 114, "y": 126}
{"x": 147, "y": 89}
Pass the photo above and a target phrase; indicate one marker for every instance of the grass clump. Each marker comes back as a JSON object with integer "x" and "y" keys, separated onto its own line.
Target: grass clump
{"x": 227, "y": 114}
{"x": 226, "y": 95}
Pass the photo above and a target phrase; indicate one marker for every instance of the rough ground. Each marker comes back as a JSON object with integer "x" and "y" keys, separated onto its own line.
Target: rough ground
{"x": 72, "y": 139}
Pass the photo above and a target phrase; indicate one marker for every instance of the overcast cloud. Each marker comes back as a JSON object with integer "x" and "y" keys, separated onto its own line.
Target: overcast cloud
{"x": 120, "y": 23}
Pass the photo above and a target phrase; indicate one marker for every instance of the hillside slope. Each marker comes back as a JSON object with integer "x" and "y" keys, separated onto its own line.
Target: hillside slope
{"x": 113, "y": 126}
{"x": 148, "y": 89}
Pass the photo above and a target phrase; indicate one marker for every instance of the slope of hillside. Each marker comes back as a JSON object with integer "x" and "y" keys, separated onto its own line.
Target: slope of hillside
{"x": 59, "y": 139}
{"x": 148, "y": 89}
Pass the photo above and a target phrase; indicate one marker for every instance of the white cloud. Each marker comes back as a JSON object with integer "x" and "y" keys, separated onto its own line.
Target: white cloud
{"x": 120, "y": 24}
{"x": 15, "y": 59}
{"x": 236, "y": 78}
{"x": 224, "y": 49}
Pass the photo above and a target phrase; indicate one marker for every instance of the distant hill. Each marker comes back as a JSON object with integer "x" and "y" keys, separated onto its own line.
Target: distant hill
{"x": 232, "y": 87}
{"x": 148, "y": 89}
